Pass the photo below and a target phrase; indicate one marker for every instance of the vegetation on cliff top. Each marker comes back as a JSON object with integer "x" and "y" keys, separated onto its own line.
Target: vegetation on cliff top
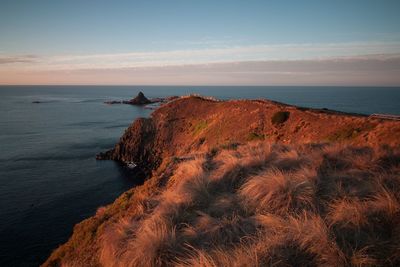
{"x": 286, "y": 198}
{"x": 259, "y": 204}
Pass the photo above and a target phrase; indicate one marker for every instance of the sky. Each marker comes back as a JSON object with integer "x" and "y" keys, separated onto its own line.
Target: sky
{"x": 190, "y": 42}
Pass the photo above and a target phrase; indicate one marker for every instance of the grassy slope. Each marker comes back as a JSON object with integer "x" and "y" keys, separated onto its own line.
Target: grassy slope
{"x": 259, "y": 203}
{"x": 195, "y": 124}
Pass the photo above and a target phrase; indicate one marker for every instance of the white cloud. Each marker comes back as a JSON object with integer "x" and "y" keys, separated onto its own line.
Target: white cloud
{"x": 363, "y": 70}
{"x": 208, "y": 56}
{"x": 4, "y": 59}
{"x": 287, "y": 64}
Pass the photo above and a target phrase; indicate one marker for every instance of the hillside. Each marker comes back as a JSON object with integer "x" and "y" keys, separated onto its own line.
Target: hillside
{"x": 198, "y": 124}
{"x": 249, "y": 183}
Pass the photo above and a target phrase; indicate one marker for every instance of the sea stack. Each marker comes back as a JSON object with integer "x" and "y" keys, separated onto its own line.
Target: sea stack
{"x": 140, "y": 99}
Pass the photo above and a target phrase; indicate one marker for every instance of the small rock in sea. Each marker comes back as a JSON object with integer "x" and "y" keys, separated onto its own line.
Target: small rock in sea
{"x": 140, "y": 99}
{"x": 113, "y": 102}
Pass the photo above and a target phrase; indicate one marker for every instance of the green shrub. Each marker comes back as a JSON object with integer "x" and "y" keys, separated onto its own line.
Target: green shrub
{"x": 200, "y": 126}
{"x": 280, "y": 117}
{"x": 346, "y": 133}
{"x": 255, "y": 136}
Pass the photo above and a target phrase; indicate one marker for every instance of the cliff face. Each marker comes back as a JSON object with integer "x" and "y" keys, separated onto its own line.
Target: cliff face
{"x": 249, "y": 183}
{"x": 137, "y": 144}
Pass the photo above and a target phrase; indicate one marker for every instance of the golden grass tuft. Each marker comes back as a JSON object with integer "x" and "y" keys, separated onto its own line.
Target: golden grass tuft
{"x": 261, "y": 205}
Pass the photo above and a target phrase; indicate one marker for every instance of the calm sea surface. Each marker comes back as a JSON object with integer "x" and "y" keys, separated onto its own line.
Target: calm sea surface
{"x": 49, "y": 178}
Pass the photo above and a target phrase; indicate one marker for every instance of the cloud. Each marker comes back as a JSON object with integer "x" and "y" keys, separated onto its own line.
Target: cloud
{"x": 361, "y": 70}
{"x": 207, "y": 56}
{"x": 220, "y": 55}
{"x": 287, "y": 64}
{"x": 17, "y": 59}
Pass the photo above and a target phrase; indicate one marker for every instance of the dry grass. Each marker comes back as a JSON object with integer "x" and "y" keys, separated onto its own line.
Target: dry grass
{"x": 265, "y": 205}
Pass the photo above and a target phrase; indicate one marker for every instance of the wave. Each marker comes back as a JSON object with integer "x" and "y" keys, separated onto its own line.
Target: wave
{"x": 64, "y": 100}
{"x": 87, "y": 123}
{"x": 54, "y": 157}
{"x": 117, "y": 126}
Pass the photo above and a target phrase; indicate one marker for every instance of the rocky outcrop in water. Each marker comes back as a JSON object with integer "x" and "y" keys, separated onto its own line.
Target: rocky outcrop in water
{"x": 141, "y": 100}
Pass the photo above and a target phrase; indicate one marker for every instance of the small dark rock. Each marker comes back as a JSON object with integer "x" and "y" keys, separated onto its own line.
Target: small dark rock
{"x": 113, "y": 102}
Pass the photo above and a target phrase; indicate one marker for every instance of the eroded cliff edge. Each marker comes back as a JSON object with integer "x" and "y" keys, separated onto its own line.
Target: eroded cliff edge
{"x": 197, "y": 124}
{"x": 193, "y": 143}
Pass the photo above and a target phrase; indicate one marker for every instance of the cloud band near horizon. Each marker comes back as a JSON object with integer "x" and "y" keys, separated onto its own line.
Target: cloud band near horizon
{"x": 288, "y": 64}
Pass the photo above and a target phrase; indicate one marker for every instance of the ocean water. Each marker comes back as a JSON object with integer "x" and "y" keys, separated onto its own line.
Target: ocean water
{"x": 49, "y": 178}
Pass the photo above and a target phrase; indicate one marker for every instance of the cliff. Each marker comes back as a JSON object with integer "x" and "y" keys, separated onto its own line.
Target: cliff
{"x": 246, "y": 183}
{"x": 197, "y": 124}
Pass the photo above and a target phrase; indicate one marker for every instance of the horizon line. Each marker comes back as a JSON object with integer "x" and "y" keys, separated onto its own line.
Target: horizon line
{"x": 207, "y": 85}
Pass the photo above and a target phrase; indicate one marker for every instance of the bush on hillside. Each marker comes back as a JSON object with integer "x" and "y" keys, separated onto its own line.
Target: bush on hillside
{"x": 280, "y": 117}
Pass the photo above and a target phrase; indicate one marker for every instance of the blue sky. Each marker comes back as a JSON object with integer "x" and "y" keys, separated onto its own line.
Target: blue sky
{"x": 41, "y": 40}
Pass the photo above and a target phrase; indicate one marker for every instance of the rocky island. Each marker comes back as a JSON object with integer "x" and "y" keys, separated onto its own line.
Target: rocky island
{"x": 249, "y": 183}
{"x": 140, "y": 100}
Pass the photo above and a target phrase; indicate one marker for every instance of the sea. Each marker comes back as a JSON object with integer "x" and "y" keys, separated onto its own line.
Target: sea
{"x": 49, "y": 177}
